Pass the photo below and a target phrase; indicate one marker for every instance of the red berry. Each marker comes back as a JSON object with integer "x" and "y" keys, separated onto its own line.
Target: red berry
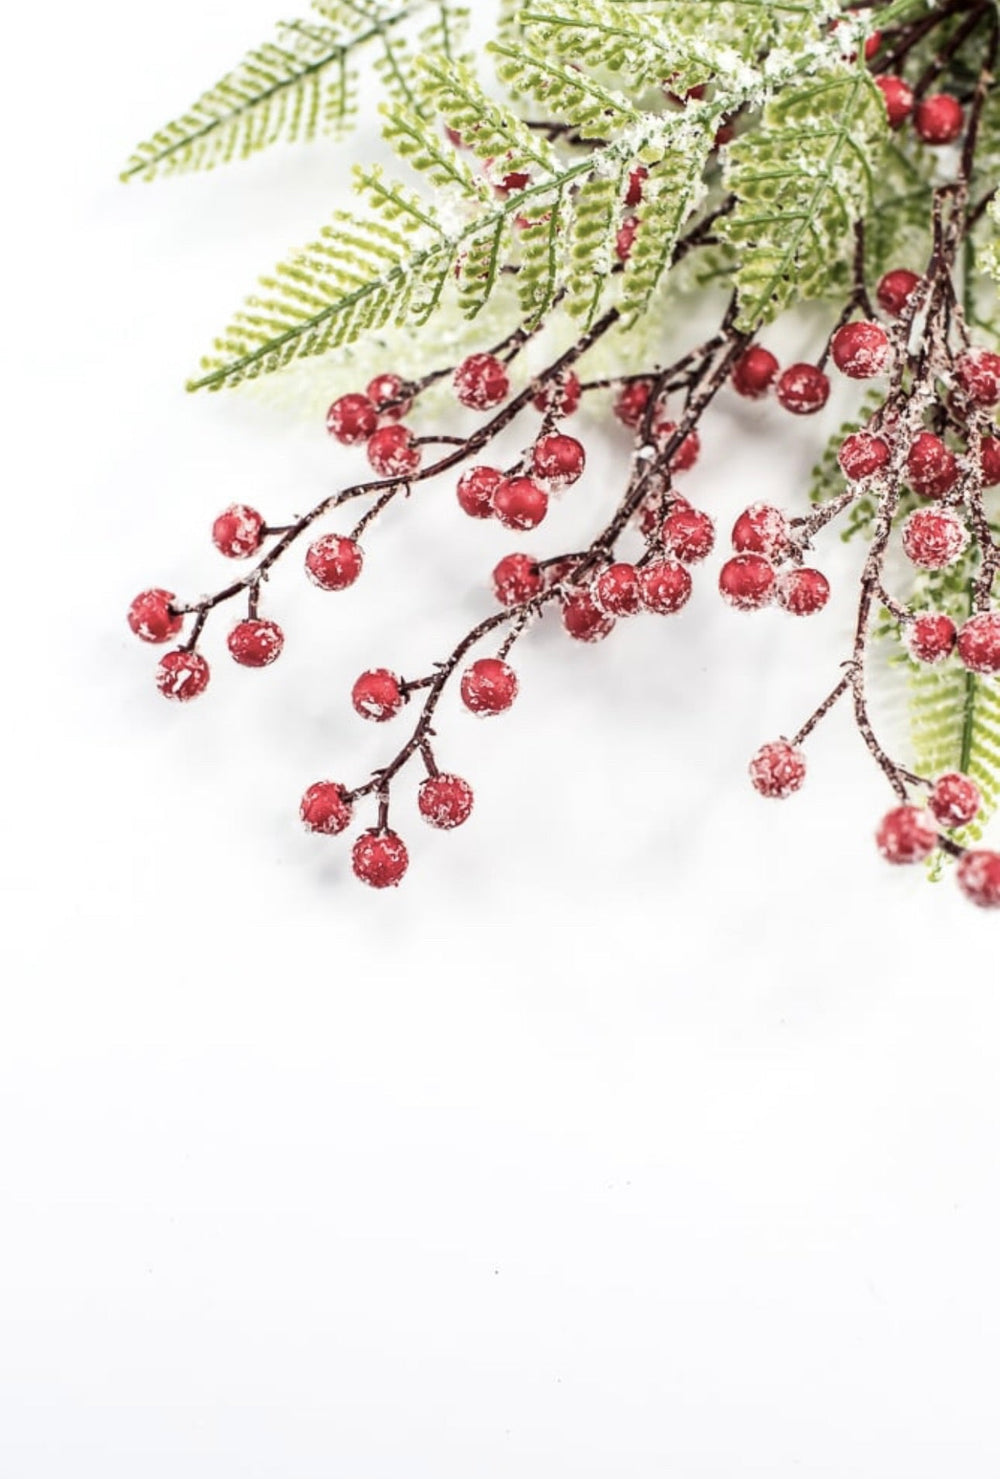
{"x": 872, "y": 44}
{"x": 762, "y": 529}
{"x": 445, "y": 801}
{"x": 351, "y": 419}
{"x": 333, "y": 562}
{"x": 182, "y": 675}
{"x": 802, "y": 592}
{"x": 665, "y": 586}
{"x": 481, "y": 382}
{"x": 930, "y": 637}
{"x": 906, "y": 835}
{"x": 379, "y": 858}
{"x": 938, "y": 119}
{"x": 255, "y": 644}
{"x": 237, "y": 531}
{"x": 625, "y": 240}
{"x": 475, "y": 491}
{"x": 862, "y": 454}
{"x": 617, "y": 590}
{"x": 803, "y": 389}
{"x": 324, "y": 808}
{"x": 978, "y": 373}
{"x": 685, "y": 455}
{"x": 561, "y": 396}
{"x": 489, "y": 686}
{"x": 978, "y": 876}
{"x": 387, "y": 395}
{"x": 895, "y": 290}
{"x": 989, "y": 461}
{"x": 932, "y": 467}
{"x": 861, "y": 350}
{"x": 754, "y": 372}
{"x": 777, "y": 770}
{"x": 747, "y": 582}
{"x": 516, "y": 180}
{"x": 151, "y": 618}
{"x": 392, "y": 453}
{"x": 558, "y": 459}
{"x": 584, "y": 620}
{"x": 687, "y": 534}
{"x": 979, "y": 643}
{"x": 517, "y": 578}
{"x": 633, "y": 195}
{"x": 898, "y": 98}
{"x": 631, "y": 402}
{"x": 955, "y": 799}
{"x": 933, "y": 537}
{"x": 520, "y": 503}
{"x": 377, "y": 695}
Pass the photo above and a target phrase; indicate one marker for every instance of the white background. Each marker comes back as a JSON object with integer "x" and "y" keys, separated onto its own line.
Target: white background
{"x": 647, "y": 1130}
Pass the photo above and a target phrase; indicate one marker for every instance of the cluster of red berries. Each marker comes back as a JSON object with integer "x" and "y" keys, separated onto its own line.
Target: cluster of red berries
{"x": 937, "y": 119}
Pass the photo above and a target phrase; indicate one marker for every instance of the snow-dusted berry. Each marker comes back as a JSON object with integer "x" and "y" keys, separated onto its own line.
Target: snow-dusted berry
{"x": 559, "y": 397}
{"x": 938, "y": 118}
{"x": 255, "y": 643}
{"x": 445, "y": 801}
{"x": 633, "y": 195}
{"x": 989, "y": 461}
{"x": 489, "y": 686}
{"x": 895, "y": 289}
{"x": 333, "y": 562}
{"x": 351, "y": 420}
{"x": 393, "y": 453}
{"x": 862, "y": 454}
{"x": 151, "y": 618}
{"x": 387, "y": 394}
{"x": 762, "y": 529}
{"x": 519, "y": 503}
{"x": 377, "y": 695}
{"x": 517, "y": 578}
{"x": 861, "y": 349}
{"x": 631, "y": 402}
{"x": 955, "y": 799}
{"x": 906, "y": 834}
{"x": 777, "y": 770}
{"x": 475, "y": 491}
{"x": 625, "y": 240}
{"x": 753, "y": 373}
{"x": 558, "y": 459}
{"x": 687, "y": 533}
{"x": 931, "y": 466}
{"x": 803, "y": 389}
{"x": 481, "y": 382}
{"x": 379, "y": 858}
{"x": 325, "y": 808}
{"x": 978, "y": 876}
{"x": 930, "y": 637}
{"x": 978, "y": 373}
{"x": 979, "y": 643}
{"x": 584, "y": 620}
{"x": 685, "y": 454}
{"x": 182, "y": 675}
{"x": 898, "y": 97}
{"x": 238, "y": 531}
{"x": 617, "y": 590}
{"x": 802, "y": 592}
{"x": 747, "y": 582}
{"x": 933, "y": 537}
{"x": 665, "y": 586}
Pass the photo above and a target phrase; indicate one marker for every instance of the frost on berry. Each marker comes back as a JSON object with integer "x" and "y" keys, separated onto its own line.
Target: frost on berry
{"x": 762, "y": 529}
{"x": 559, "y": 397}
{"x": 989, "y": 461}
{"x": 955, "y": 799}
{"x": 746, "y": 582}
{"x": 978, "y": 875}
{"x": 930, "y": 637}
{"x": 861, "y": 350}
{"x": 387, "y": 394}
{"x": 584, "y": 620}
{"x": 481, "y": 382}
{"x": 978, "y": 373}
{"x": 686, "y": 453}
{"x": 392, "y": 452}
{"x": 475, "y": 491}
{"x": 665, "y": 586}
{"x": 379, "y": 858}
{"x": 898, "y": 97}
{"x": 934, "y": 537}
{"x": 254, "y": 643}
{"x": 445, "y": 801}
{"x": 938, "y": 119}
{"x": 151, "y": 618}
{"x": 489, "y": 686}
{"x": 906, "y": 834}
{"x": 895, "y": 290}
{"x": 182, "y": 675}
{"x": 802, "y": 592}
{"x": 517, "y": 578}
{"x": 803, "y": 389}
{"x": 777, "y": 770}
{"x": 862, "y": 454}
{"x": 333, "y": 562}
{"x": 631, "y": 402}
{"x": 979, "y": 643}
{"x": 237, "y": 531}
{"x": 519, "y": 503}
{"x": 754, "y": 372}
{"x": 377, "y": 695}
{"x": 617, "y": 590}
{"x": 325, "y": 808}
{"x": 558, "y": 459}
{"x": 625, "y": 240}
{"x": 687, "y": 534}
{"x": 351, "y": 420}
{"x": 931, "y": 466}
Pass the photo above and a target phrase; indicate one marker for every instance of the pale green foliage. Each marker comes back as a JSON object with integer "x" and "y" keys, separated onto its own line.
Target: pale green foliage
{"x": 990, "y": 255}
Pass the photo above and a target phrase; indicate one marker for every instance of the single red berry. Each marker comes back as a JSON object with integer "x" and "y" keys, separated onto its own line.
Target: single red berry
{"x": 930, "y": 637}
{"x": 938, "y": 118}
{"x": 237, "y": 532}
{"x": 989, "y": 461}
{"x": 377, "y": 695}
{"x": 445, "y": 801}
{"x": 333, "y": 562}
{"x": 777, "y": 770}
{"x": 754, "y": 372}
{"x": 475, "y": 491}
{"x": 955, "y": 799}
{"x": 558, "y": 459}
{"x": 906, "y": 834}
{"x": 489, "y": 686}
{"x": 803, "y": 389}
{"x": 379, "y": 858}
{"x": 255, "y": 644}
{"x": 861, "y": 349}
{"x": 151, "y": 618}
{"x": 687, "y": 534}
{"x": 631, "y": 402}
{"x": 685, "y": 455}
{"x": 802, "y": 592}
{"x": 862, "y": 454}
{"x": 517, "y": 180}
{"x": 978, "y": 373}
{"x": 618, "y": 591}
{"x": 625, "y": 240}
{"x": 665, "y": 586}
{"x": 932, "y": 467}
{"x": 933, "y": 537}
{"x": 481, "y": 382}
{"x": 747, "y": 582}
{"x": 519, "y": 503}
{"x": 387, "y": 394}
{"x": 872, "y": 44}
{"x": 724, "y": 135}
{"x": 560, "y": 397}
{"x": 895, "y": 290}
{"x": 978, "y": 875}
{"x": 351, "y": 419}
{"x": 979, "y": 642}
{"x": 182, "y": 675}
{"x": 584, "y": 620}
{"x": 325, "y": 808}
{"x": 762, "y": 529}
{"x": 633, "y": 195}
{"x": 898, "y": 97}
{"x": 516, "y": 579}
{"x": 392, "y": 452}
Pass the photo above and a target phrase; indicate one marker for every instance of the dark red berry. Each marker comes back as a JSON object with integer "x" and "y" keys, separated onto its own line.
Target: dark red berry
{"x": 989, "y": 461}
{"x": 617, "y": 590}
{"x": 254, "y": 643}
{"x": 631, "y": 402}
{"x": 978, "y": 373}
{"x": 182, "y": 675}
{"x": 861, "y": 349}
{"x": 445, "y": 801}
{"x": 898, "y": 97}
{"x": 558, "y": 459}
{"x": 351, "y": 419}
{"x": 379, "y": 858}
{"x": 387, "y": 394}
{"x": 560, "y": 397}
{"x": 754, "y": 372}
{"x": 481, "y": 382}
{"x": 938, "y": 118}
{"x": 685, "y": 455}
{"x": 489, "y": 686}
{"x": 762, "y": 529}
{"x": 933, "y": 537}
{"x": 930, "y": 637}
{"x": 862, "y": 454}
{"x": 906, "y": 835}
{"x": 895, "y": 290}
{"x": 475, "y": 491}
{"x": 979, "y": 643}
{"x": 932, "y": 467}
{"x": 392, "y": 452}
{"x": 333, "y": 562}
{"x": 747, "y": 582}
{"x": 777, "y": 770}
{"x": 377, "y": 695}
{"x": 150, "y": 616}
{"x": 955, "y": 799}
{"x": 687, "y": 534}
{"x": 978, "y": 875}
{"x": 237, "y": 532}
{"x": 584, "y": 620}
{"x": 802, "y": 592}
{"x": 325, "y": 809}
{"x": 516, "y": 579}
{"x": 803, "y": 389}
{"x": 519, "y": 503}
{"x": 625, "y": 240}
{"x": 665, "y": 586}
{"x": 633, "y": 195}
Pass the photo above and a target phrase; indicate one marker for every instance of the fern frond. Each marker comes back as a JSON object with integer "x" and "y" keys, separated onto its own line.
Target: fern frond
{"x": 674, "y": 188}
{"x": 566, "y": 92}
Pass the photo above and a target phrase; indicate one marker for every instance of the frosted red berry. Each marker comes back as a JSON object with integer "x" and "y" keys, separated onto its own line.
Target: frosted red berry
{"x": 481, "y": 382}
{"x": 325, "y": 808}
{"x": 777, "y": 770}
{"x": 955, "y": 799}
{"x": 861, "y": 349}
{"x": 979, "y": 643}
{"x": 584, "y": 620}
{"x": 802, "y": 592}
{"x": 238, "y": 531}
{"x": 978, "y": 373}
{"x": 387, "y": 394}
{"x": 182, "y": 675}
{"x": 445, "y": 801}
{"x": 747, "y": 582}
{"x": 475, "y": 491}
{"x": 489, "y": 686}
{"x": 560, "y": 397}
{"x": 898, "y": 98}
{"x": 687, "y": 533}
{"x": 351, "y": 419}
{"x": 377, "y": 695}
{"x": 930, "y": 637}
{"x": 379, "y": 858}
{"x": 617, "y": 590}
{"x": 934, "y": 537}
{"x": 754, "y": 372}
{"x": 931, "y": 466}
{"x": 334, "y": 562}
{"x": 631, "y": 402}
{"x": 393, "y": 453}
{"x": 636, "y": 179}
{"x": 978, "y": 875}
{"x": 762, "y": 529}
{"x": 938, "y": 118}
{"x": 558, "y": 459}
{"x": 989, "y": 461}
{"x": 519, "y": 503}
{"x": 665, "y": 586}
{"x": 906, "y": 834}
{"x": 803, "y": 389}
{"x": 151, "y": 618}
{"x": 517, "y": 578}
{"x": 625, "y": 240}
{"x": 895, "y": 290}
{"x": 686, "y": 453}
{"x": 862, "y": 454}
{"x": 255, "y": 643}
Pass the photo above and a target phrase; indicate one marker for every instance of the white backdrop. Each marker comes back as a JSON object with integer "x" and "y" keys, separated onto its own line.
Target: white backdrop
{"x": 648, "y": 1129}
